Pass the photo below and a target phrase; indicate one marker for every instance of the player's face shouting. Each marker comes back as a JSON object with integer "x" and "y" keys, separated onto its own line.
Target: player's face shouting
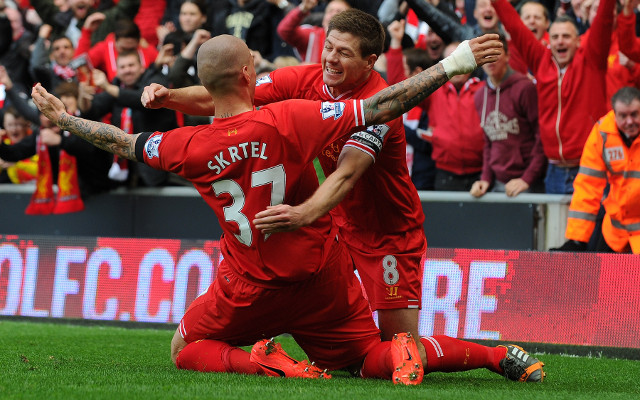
{"x": 343, "y": 67}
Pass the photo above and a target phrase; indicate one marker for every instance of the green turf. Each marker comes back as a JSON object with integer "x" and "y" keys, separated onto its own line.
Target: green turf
{"x": 58, "y": 361}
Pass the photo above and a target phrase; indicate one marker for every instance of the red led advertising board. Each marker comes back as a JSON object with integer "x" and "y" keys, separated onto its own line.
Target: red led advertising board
{"x": 521, "y": 296}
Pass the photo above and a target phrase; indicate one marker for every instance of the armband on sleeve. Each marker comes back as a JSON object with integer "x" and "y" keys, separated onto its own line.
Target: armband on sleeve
{"x": 369, "y": 141}
{"x": 140, "y": 142}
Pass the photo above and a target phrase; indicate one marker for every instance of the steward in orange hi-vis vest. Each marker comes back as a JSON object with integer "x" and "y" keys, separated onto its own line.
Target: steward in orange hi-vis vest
{"x": 610, "y": 156}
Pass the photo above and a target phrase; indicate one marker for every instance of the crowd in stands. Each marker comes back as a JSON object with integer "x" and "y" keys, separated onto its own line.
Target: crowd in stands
{"x": 518, "y": 125}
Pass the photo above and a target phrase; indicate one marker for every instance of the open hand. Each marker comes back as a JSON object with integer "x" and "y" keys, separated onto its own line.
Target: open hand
{"x": 280, "y": 218}
{"x": 48, "y": 104}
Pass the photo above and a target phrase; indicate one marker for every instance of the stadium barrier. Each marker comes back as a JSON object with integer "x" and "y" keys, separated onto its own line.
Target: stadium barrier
{"x": 584, "y": 299}
{"x": 453, "y": 219}
{"x": 529, "y": 221}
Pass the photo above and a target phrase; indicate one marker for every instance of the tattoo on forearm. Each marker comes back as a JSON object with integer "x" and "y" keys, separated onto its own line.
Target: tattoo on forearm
{"x": 106, "y": 137}
{"x": 395, "y": 100}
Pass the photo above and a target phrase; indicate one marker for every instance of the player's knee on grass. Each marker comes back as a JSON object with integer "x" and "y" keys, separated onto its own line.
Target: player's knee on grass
{"x": 177, "y": 344}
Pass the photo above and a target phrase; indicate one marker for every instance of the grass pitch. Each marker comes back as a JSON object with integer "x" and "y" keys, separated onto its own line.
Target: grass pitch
{"x": 59, "y": 361}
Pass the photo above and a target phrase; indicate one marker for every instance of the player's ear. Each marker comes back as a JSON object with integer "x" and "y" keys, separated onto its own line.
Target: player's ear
{"x": 371, "y": 61}
{"x": 246, "y": 73}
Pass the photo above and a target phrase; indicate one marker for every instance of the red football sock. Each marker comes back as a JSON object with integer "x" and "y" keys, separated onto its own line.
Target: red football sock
{"x": 446, "y": 354}
{"x": 378, "y": 362}
{"x": 216, "y": 356}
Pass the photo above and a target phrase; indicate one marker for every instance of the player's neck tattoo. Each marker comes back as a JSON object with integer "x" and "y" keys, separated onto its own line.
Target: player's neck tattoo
{"x": 403, "y": 96}
{"x": 225, "y": 115}
{"x": 101, "y": 135}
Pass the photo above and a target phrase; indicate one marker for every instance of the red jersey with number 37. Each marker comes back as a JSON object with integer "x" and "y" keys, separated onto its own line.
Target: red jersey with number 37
{"x": 384, "y": 200}
{"x": 242, "y": 164}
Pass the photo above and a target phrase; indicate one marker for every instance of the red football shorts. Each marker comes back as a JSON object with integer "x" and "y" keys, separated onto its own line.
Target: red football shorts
{"x": 390, "y": 267}
{"x": 327, "y": 314}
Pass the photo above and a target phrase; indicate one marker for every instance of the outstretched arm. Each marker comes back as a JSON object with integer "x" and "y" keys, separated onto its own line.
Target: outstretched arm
{"x": 395, "y": 100}
{"x": 101, "y": 135}
{"x": 192, "y": 100}
{"x": 629, "y": 43}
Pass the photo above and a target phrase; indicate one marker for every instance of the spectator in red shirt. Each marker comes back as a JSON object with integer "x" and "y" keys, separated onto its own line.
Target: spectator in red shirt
{"x": 125, "y": 38}
{"x": 456, "y": 135}
{"x": 571, "y": 86}
{"x": 308, "y": 40}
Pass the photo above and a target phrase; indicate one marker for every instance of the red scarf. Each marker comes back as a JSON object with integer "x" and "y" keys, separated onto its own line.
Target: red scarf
{"x": 68, "y": 198}
{"x": 66, "y": 73}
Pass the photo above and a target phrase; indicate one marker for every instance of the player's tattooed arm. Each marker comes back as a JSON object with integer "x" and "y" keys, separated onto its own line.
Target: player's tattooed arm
{"x": 394, "y": 101}
{"x": 106, "y": 137}
{"x": 101, "y": 135}
{"x": 403, "y": 96}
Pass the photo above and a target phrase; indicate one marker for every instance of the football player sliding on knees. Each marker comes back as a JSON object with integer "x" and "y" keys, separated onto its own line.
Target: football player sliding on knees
{"x": 237, "y": 309}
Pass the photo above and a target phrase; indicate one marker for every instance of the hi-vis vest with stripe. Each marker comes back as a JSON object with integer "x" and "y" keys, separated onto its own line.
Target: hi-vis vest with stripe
{"x": 606, "y": 158}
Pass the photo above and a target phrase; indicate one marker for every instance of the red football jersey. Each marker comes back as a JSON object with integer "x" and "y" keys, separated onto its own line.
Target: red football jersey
{"x": 384, "y": 199}
{"x": 242, "y": 164}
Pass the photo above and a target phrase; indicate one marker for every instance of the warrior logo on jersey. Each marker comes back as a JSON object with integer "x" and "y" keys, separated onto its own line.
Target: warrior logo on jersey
{"x": 151, "y": 147}
{"x": 264, "y": 79}
{"x": 332, "y": 110}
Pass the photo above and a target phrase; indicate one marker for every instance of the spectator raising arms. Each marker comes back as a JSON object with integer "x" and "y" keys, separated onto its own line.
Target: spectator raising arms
{"x": 571, "y": 85}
